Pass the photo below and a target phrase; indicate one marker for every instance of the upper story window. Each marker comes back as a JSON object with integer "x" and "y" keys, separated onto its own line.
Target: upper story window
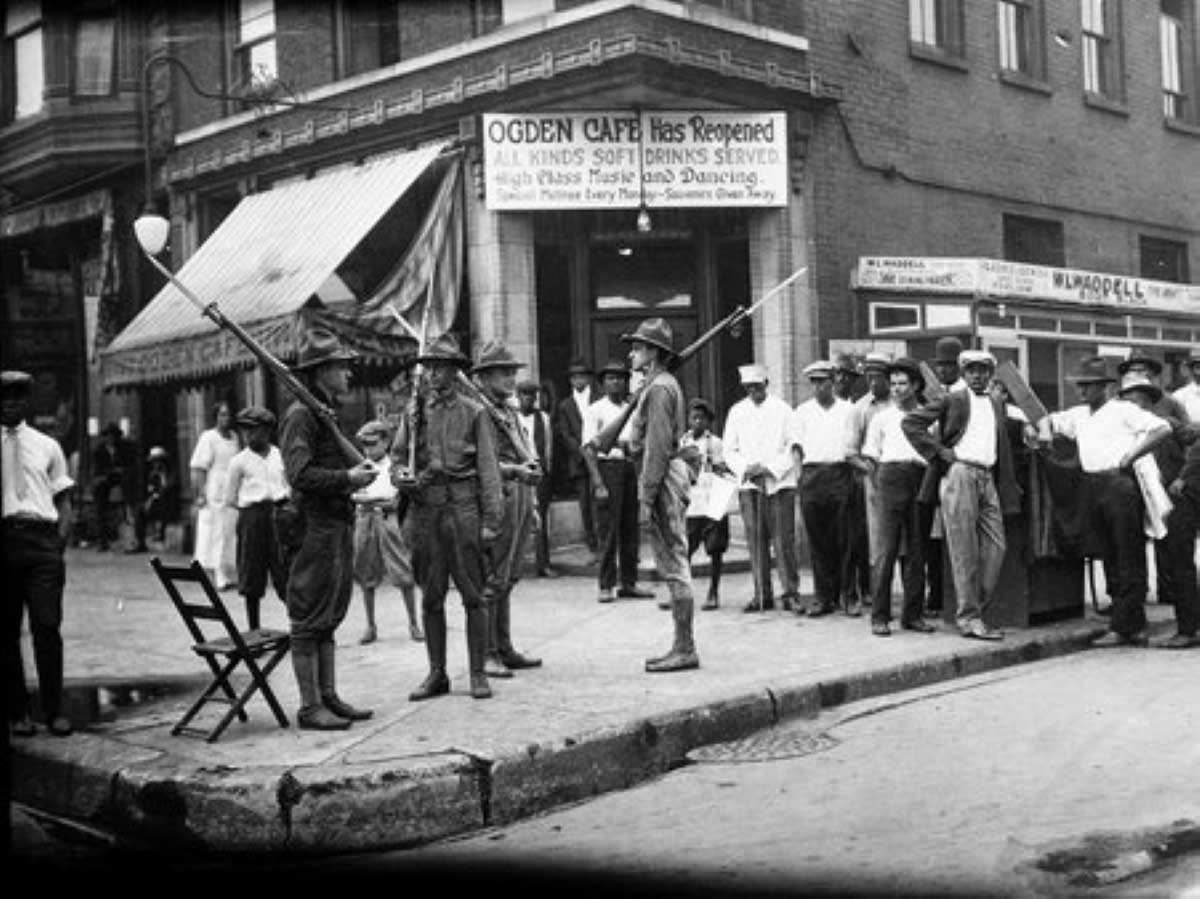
{"x": 1176, "y": 32}
{"x": 1100, "y": 23}
{"x": 24, "y": 78}
{"x": 254, "y": 52}
{"x": 936, "y": 25}
{"x": 368, "y": 35}
{"x": 1163, "y": 260}
{"x": 1019, "y": 29}
{"x": 1033, "y": 240}
{"x": 94, "y": 51}
{"x": 515, "y": 10}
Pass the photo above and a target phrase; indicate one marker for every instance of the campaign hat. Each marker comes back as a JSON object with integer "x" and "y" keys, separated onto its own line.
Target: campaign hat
{"x": 822, "y": 369}
{"x": 494, "y": 354}
{"x": 976, "y": 357}
{"x": 1092, "y": 370}
{"x": 1142, "y": 355}
{"x": 947, "y": 349}
{"x": 319, "y": 345}
{"x": 13, "y": 381}
{"x": 444, "y": 349}
{"x": 614, "y": 367}
{"x": 654, "y": 331}
{"x": 910, "y": 367}
{"x": 752, "y": 374}
{"x": 253, "y": 416}
{"x": 1137, "y": 381}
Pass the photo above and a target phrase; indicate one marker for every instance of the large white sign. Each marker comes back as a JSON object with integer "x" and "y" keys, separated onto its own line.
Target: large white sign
{"x": 593, "y": 160}
{"x": 997, "y": 278}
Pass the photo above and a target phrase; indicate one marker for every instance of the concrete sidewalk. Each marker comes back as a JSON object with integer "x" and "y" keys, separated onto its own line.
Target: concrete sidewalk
{"x": 589, "y": 721}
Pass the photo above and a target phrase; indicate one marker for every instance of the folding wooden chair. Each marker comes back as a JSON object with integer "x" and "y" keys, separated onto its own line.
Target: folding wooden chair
{"x": 233, "y": 649}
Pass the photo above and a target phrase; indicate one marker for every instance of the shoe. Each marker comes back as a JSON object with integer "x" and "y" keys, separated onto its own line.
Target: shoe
{"x": 515, "y": 660}
{"x": 881, "y": 629}
{"x": 605, "y": 596}
{"x": 414, "y": 631}
{"x": 817, "y": 609}
{"x": 493, "y": 667}
{"x": 345, "y": 710}
{"x": 853, "y": 607}
{"x": 320, "y": 718}
{"x": 1112, "y": 638}
{"x": 547, "y": 572}
{"x": 634, "y": 593}
{"x": 918, "y": 625}
{"x": 60, "y": 726}
{"x": 368, "y": 636}
{"x": 22, "y": 727}
{"x": 673, "y": 661}
{"x": 435, "y": 684}
{"x": 789, "y": 603}
{"x": 1180, "y": 641}
{"x": 711, "y": 603}
{"x": 983, "y": 632}
{"x": 479, "y": 687}
{"x": 933, "y": 613}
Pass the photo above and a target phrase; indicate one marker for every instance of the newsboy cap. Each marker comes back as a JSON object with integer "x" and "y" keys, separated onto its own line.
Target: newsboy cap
{"x": 976, "y": 357}
{"x": 752, "y": 374}
{"x": 253, "y": 416}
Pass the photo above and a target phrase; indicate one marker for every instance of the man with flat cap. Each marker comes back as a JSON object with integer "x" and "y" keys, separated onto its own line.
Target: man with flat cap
{"x": 321, "y": 577}
{"x": 664, "y": 480}
{"x": 456, "y": 505}
{"x": 820, "y": 429}
{"x": 970, "y": 474}
{"x": 33, "y": 533}
{"x": 536, "y": 424}
{"x": 1111, "y": 433}
{"x": 614, "y": 488}
{"x": 757, "y": 447}
{"x": 495, "y": 370}
{"x": 257, "y": 487}
{"x": 864, "y": 508}
{"x": 568, "y": 431}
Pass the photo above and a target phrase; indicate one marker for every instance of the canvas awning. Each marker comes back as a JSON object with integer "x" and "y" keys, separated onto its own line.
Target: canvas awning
{"x": 271, "y": 266}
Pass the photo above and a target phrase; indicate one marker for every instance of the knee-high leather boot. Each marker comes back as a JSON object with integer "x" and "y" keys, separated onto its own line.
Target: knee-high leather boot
{"x": 477, "y": 635}
{"x": 312, "y": 714}
{"x": 327, "y": 681}
{"x": 683, "y": 650}
{"x": 436, "y": 683}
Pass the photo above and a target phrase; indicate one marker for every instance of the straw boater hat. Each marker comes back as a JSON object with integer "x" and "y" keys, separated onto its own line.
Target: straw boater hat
{"x": 1142, "y": 355}
{"x": 654, "y": 331}
{"x": 495, "y": 354}
{"x": 1137, "y": 381}
{"x": 876, "y": 362}
{"x": 320, "y": 345}
{"x": 16, "y": 382}
{"x": 444, "y": 349}
{"x": 820, "y": 370}
{"x": 752, "y": 374}
{"x": 614, "y": 367}
{"x": 976, "y": 357}
{"x": 253, "y": 416}
{"x": 947, "y": 349}
{"x": 910, "y": 367}
{"x": 1092, "y": 370}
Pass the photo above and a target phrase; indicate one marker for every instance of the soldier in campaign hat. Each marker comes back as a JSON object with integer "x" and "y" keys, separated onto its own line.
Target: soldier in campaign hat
{"x": 320, "y": 579}
{"x": 664, "y": 478}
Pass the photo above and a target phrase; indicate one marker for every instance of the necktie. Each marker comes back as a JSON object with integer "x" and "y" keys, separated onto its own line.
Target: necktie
{"x": 16, "y": 471}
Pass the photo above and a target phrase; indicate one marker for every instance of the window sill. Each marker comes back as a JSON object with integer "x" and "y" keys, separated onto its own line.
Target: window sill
{"x": 1025, "y": 82}
{"x": 938, "y": 56}
{"x": 1182, "y": 127}
{"x": 1101, "y": 102}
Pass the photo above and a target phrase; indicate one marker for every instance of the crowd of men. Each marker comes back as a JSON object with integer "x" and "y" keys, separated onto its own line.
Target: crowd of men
{"x": 922, "y": 466}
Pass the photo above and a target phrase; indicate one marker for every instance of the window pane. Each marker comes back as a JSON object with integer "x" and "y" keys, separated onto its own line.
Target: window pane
{"x": 94, "y": 57}
{"x": 1170, "y": 34}
{"x": 31, "y": 74}
{"x": 262, "y": 63}
{"x": 257, "y": 19}
{"x": 1093, "y": 79}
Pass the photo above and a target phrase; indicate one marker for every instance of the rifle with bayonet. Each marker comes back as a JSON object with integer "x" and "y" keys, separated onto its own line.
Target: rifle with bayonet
{"x": 607, "y": 438}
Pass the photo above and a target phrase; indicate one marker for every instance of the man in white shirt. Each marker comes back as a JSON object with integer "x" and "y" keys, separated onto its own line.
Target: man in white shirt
{"x": 536, "y": 425}
{"x": 256, "y": 486}
{"x": 1189, "y": 394}
{"x": 614, "y": 489}
{"x": 33, "y": 534}
{"x": 757, "y": 447}
{"x": 1111, "y": 435}
{"x": 897, "y": 471}
{"x": 864, "y": 507}
{"x": 819, "y": 434}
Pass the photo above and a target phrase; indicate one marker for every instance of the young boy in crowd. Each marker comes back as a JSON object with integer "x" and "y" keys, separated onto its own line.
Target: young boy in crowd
{"x": 713, "y": 533}
{"x": 382, "y": 548}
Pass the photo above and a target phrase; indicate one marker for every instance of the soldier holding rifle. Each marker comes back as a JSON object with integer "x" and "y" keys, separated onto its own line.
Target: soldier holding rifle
{"x": 456, "y": 508}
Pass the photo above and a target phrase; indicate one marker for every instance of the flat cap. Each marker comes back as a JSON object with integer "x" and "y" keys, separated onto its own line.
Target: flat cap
{"x": 253, "y": 416}
{"x": 156, "y": 452}
{"x": 875, "y": 361}
{"x": 976, "y": 357}
{"x": 821, "y": 369}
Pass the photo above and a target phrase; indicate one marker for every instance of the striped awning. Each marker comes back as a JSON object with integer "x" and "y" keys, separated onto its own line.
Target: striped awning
{"x": 274, "y": 257}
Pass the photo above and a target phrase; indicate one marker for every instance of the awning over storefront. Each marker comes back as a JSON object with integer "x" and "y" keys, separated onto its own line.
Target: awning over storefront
{"x": 271, "y": 266}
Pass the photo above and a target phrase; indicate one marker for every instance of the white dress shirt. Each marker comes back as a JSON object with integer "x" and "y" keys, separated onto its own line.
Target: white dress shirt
{"x": 760, "y": 433}
{"x": 885, "y": 440}
{"x": 598, "y": 416}
{"x": 822, "y": 434}
{"x": 42, "y": 477}
{"x": 527, "y": 425}
{"x": 254, "y": 479}
{"x": 1189, "y": 397}
{"x": 1106, "y": 435}
{"x": 978, "y": 442}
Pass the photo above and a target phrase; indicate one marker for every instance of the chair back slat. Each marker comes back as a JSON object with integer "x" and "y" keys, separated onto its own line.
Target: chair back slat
{"x": 212, "y": 609}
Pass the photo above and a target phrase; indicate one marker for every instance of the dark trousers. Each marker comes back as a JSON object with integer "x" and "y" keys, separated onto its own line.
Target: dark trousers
{"x": 932, "y": 550}
{"x": 899, "y": 515}
{"x": 321, "y": 577}
{"x": 856, "y": 565}
{"x": 1182, "y": 526}
{"x": 587, "y": 511}
{"x": 617, "y": 524}
{"x": 824, "y": 495}
{"x": 542, "y": 541}
{"x": 259, "y": 554}
{"x": 447, "y": 546}
{"x": 33, "y": 574}
{"x": 771, "y": 521}
{"x": 1114, "y": 533}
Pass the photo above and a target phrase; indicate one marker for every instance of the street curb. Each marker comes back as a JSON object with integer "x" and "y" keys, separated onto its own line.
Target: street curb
{"x": 332, "y": 808}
